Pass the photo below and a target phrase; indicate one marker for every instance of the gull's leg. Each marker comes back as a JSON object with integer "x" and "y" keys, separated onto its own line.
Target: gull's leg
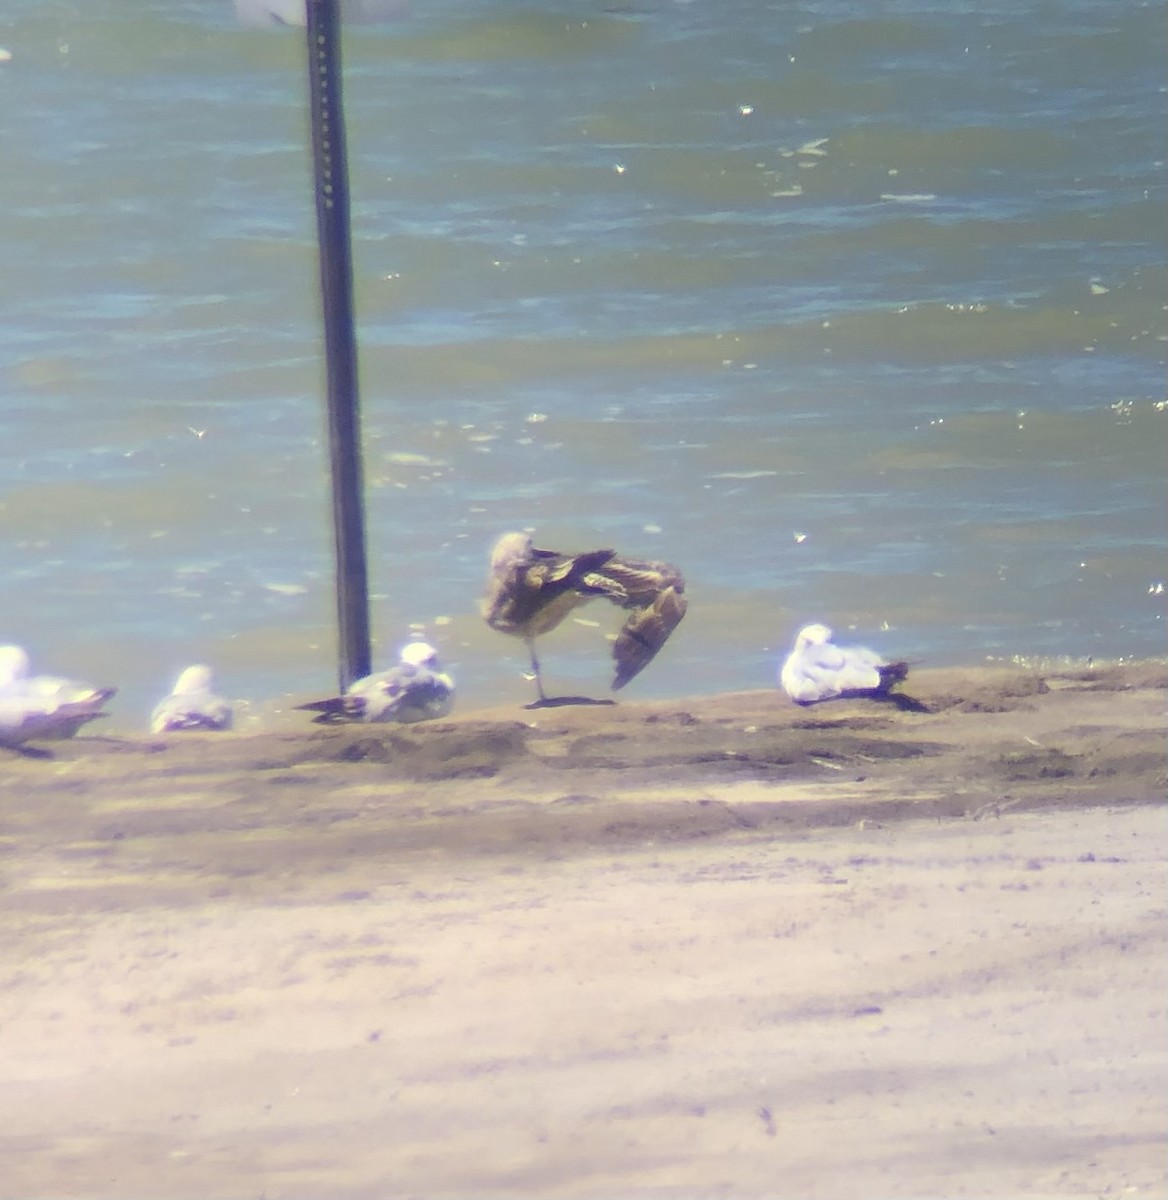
{"x": 535, "y": 670}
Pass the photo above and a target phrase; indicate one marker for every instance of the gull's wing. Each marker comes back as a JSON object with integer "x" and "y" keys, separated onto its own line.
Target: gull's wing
{"x": 19, "y": 722}
{"x": 335, "y": 709}
{"x": 425, "y": 696}
{"x": 366, "y": 699}
{"x": 644, "y": 633}
{"x": 806, "y": 678}
{"x": 634, "y": 582}
{"x": 23, "y": 719}
{"x": 813, "y": 671}
{"x": 655, "y": 592}
{"x": 190, "y": 710}
{"x": 858, "y": 670}
{"x": 866, "y": 669}
{"x": 74, "y": 710}
{"x": 404, "y": 693}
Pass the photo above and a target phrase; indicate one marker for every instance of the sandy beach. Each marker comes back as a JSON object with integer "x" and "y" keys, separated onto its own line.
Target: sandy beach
{"x": 717, "y": 947}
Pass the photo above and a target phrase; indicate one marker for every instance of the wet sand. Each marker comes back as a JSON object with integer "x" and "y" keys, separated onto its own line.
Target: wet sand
{"x": 723, "y": 947}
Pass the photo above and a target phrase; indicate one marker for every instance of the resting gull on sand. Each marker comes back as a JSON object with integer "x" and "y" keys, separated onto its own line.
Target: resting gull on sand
{"x": 817, "y": 669}
{"x": 530, "y": 591}
{"x": 414, "y": 690}
{"x": 191, "y": 705}
{"x": 42, "y": 706}
{"x": 26, "y": 719}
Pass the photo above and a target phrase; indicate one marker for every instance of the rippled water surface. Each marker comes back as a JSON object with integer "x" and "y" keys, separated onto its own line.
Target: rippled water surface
{"x": 853, "y": 311}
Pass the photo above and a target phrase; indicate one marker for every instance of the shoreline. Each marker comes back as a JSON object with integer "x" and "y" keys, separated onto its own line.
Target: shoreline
{"x": 714, "y": 946}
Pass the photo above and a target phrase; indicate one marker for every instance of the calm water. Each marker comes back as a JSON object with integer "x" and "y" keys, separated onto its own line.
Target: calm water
{"x": 854, "y": 311}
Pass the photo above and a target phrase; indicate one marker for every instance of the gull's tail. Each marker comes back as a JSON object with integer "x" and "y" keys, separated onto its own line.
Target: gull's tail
{"x": 890, "y": 675}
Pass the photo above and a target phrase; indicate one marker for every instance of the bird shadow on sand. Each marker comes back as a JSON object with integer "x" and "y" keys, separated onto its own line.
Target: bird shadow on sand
{"x": 566, "y": 701}
{"x": 895, "y": 699}
{"x": 30, "y": 752}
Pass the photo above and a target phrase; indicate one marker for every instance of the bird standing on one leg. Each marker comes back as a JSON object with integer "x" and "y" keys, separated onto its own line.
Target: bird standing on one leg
{"x": 530, "y": 591}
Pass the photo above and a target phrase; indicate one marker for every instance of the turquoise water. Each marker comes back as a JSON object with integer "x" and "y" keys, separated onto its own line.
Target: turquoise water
{"x": 854, "y": 312}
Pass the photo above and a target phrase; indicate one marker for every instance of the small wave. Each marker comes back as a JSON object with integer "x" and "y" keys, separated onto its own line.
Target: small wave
{"x": 909, "y": 197}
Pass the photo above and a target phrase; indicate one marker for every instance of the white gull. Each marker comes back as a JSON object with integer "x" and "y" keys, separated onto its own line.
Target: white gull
{"x": 192, "y": 704}
{"x": 414, "y": 690}
{"x": 42, "y": 706}
{"x": 817, "y": 669}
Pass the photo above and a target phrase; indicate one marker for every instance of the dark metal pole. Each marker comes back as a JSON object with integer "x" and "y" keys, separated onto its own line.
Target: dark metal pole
{"x": 340, "y": 343}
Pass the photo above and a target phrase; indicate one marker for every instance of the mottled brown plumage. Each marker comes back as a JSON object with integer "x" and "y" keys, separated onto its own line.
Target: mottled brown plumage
{"x": 530, "y": 591}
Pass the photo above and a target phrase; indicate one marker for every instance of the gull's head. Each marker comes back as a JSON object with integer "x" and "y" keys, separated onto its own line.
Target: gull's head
{"x": 193, "y": 679}
{"x": 420, "y": 654}
{"x": 510, "y": 549}
{"x": 14, "y": 664}
{"x": 812, "y": 635}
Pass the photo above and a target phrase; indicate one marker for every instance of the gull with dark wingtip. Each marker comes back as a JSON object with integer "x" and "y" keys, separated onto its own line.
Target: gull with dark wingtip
{"x": 530, "y": 591}
{"x": 415, "y": 690}
{"x": 25, "y": 718}
{"x": 817, "y": 669}
{"x": 57, "y": 708}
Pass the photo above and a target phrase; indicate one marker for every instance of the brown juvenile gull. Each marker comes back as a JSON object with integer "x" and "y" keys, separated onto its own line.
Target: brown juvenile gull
{"x": 817, "y": 669}
{"x": 530, "y": 591}
{"x": 415, "y": 690}
{"x": 191, "y": 705}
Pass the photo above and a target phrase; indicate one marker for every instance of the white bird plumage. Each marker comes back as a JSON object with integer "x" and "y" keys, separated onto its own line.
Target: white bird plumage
{"x": 817, "y": 669}
{"x": 36, "y": 707}
{"x": 192, "y": 704}
{"x": 414, "y": 690}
